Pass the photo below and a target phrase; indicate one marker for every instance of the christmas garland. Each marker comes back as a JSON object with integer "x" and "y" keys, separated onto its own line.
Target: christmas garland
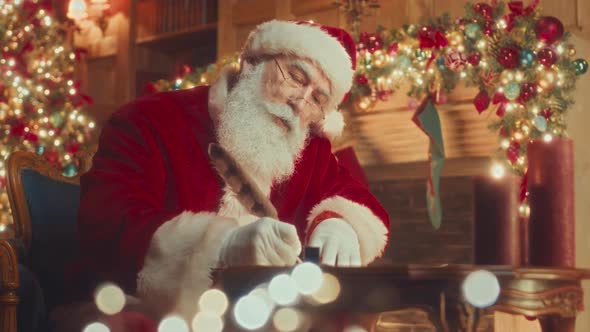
{"x": 522, "y": 63}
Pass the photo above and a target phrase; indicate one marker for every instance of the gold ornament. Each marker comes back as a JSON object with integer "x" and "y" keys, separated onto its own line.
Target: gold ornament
{"x": 571, "y": 50}
{"x": 379, "y": 59}
{"x": 365, "y": 103}
{"x": 548, "y": 79}
{"x": 507, "y": 76}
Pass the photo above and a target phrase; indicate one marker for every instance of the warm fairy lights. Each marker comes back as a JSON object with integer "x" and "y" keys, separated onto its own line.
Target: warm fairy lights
{"x": 38, "y": 92}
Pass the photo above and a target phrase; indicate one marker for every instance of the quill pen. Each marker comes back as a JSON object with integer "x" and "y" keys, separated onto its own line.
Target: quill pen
{"x": 246, "y": 190}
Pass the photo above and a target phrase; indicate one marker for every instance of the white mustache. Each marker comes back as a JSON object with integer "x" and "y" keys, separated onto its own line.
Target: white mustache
{"x": 285, "y": 112}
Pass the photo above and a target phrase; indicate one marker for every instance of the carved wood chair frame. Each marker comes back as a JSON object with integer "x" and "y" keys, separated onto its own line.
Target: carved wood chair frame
{"x": 16, "y": 162}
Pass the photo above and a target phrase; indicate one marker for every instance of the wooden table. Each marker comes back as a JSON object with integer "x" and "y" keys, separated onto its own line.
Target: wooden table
{"x": 553, "y": 295}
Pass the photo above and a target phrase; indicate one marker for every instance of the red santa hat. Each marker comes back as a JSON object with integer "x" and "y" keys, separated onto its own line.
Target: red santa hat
{"x": 331, "y": 48}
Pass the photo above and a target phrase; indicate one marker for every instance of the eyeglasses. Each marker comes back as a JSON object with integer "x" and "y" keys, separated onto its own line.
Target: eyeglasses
{"x": 319, "y": 100}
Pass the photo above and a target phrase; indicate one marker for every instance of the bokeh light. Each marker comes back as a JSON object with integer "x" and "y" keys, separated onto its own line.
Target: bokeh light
{"x": 283, "y": 290}
{"x": 96, "y": 327}
{"x": 308, "y": 277}
{"x": 329, "y": 289}
{"x": 251, "y": 312}
{"x": 109, "y": 299}
{"x": 481, "y": 288}
{"x": 207, "y": 322}
{"x": 173, "y": 324}
{"x": 214, "y": 301}
{"x": 286, "y": 320}
{"x": 355, "y": 328}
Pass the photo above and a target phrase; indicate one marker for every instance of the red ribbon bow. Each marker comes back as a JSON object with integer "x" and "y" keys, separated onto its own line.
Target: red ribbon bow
{"x": 432, "y": 39}
{"x": 517, "y": 9}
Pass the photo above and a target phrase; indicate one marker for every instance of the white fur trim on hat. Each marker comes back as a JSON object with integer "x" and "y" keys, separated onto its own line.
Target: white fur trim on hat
{"x": 305, "y": 41}
{"x": 333, "y": 124}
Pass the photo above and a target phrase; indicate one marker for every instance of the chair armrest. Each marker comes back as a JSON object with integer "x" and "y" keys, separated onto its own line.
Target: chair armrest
{"x": 8, "y": 286}
{"x": 20, "y": 250}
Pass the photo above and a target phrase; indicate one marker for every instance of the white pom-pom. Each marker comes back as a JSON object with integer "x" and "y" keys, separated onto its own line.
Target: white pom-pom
{"x": 333, "y": 124}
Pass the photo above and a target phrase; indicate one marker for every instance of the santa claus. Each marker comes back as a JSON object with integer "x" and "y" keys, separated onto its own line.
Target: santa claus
{"x": 155, "y": 217}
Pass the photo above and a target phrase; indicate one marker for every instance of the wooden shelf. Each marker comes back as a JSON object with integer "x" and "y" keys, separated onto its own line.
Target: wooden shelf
{"x": 187, "y": 38}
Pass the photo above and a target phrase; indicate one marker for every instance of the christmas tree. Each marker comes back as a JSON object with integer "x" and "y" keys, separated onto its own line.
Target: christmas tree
{"x": 41, "y": 107}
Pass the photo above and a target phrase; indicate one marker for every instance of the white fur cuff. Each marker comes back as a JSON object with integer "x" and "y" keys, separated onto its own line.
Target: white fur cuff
{"x": 179, "y": 260}
{"x": 370, "y": 230}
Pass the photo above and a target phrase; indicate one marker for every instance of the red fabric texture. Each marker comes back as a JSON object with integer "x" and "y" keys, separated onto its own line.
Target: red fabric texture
{"x": 152, "y": 164}
{"x": 131, "y": 321}
{"x": 347, "y": 158}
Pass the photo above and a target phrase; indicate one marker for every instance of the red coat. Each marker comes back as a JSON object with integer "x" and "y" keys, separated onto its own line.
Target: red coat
{"x": 152, "y": 165}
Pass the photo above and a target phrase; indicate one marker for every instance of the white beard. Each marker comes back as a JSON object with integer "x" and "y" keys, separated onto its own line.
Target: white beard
{"x": 247, "y": 131}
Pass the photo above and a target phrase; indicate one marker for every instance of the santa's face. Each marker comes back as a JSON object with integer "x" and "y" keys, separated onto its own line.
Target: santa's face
{"x": 263, "y": 125}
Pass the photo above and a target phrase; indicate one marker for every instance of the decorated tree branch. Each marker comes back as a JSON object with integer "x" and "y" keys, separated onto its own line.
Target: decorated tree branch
{"x": 41, "y": 106}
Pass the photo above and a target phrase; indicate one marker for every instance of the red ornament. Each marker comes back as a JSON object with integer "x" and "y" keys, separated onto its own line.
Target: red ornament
{"x": 183, "y": 70}
{"x": 362, "y": 79}
{"x": 489, "y": 27}
{"x": 513, "y": 151}
{"x": 484, "y": 10}
{"x": 384, "y": 95}
{"x": 392, "y": 49}
{"x": 29, "y": 136}
{"x": 546, "y": 113}
{"x": 150, "y": 88}
{"x": 481, "y": 101}
{"x": 549, "y": 29}
{"x": 547, "y": 57}
{"x": 455, "y": 61}
{"x": 474, "y": 58}
{"x": 17, "y": 129}
{"x": 501, "y": 111}
{"x": 370, "y": 41}
{"x": 509, "y": 56}
{"x": 72, "y": 147}
{"x": 441, "y": 98}
{"x": 527, "y": 91}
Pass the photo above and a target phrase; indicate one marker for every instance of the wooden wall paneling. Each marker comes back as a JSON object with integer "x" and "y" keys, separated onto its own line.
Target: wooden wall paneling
{"x": 253, "y": 11}
{"x": 418, "y": 11}
{"x": 328, "y": 16}
{"x": 583, "y": 18}
{"x": 101, "y": 76}
{"x": 455, "y": 8}
{"x": 392, "y": 14}
{"x": 226, "y": 35}
{"x": 305, "y": 7}
{"x": 565, "y": 10}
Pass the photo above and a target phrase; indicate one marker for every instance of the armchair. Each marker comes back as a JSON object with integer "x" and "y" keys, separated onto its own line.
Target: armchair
{"x": 44, "y": 205}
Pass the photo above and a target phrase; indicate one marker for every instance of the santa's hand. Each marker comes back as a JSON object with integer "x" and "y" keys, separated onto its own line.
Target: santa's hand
{"x": 264, "y": 242}
{"x": 338, "y": 243}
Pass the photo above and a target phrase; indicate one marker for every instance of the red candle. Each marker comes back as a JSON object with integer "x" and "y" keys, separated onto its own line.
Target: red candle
{"x": 551, "y": 195}
{"x": 497, "y": 227}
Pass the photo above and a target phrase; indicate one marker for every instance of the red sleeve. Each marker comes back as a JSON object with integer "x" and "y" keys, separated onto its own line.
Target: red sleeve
{"x": 337, "y": 194}
{"x": 122, "y": 197}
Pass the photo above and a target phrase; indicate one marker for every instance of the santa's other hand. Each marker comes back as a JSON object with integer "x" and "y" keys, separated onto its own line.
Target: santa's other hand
{"x": 338, "y": 243}
{"x": 264, "y": 242}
